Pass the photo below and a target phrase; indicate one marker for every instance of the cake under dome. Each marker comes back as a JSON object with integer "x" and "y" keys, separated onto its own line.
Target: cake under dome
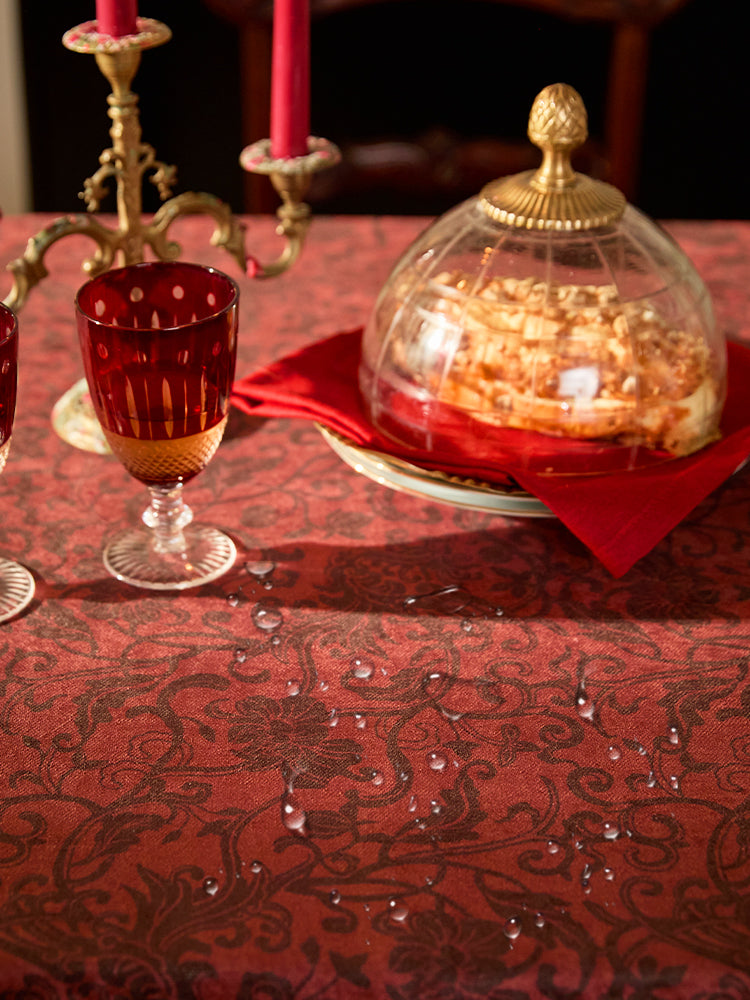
{"x": 547, "y": 320}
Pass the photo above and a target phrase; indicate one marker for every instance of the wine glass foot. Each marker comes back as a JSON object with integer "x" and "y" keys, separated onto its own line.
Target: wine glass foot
{"x": 207, "y": 554}
{"x": 16, "y": 589}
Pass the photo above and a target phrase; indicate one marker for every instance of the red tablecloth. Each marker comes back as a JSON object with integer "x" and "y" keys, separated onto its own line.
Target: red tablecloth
{"x": 464, "y": 762}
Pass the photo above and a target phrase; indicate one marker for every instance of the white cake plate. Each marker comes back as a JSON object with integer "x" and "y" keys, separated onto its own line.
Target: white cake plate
{"x": 427, "y": 484}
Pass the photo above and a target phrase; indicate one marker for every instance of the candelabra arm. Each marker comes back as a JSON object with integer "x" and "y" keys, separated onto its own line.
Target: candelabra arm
{"x": 163, "y": 178}
{"x": 229, "y": 233}
{"x": 95, "y": 187}
{"x": 294, "y": 221}
{"x": 291, "y": 177}
{"x": 30, "y": 269}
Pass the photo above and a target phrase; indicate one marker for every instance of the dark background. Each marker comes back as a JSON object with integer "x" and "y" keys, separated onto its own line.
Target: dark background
{"x": 378, "y": 69}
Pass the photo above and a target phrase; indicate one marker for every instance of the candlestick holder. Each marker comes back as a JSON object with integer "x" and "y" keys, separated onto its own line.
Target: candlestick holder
{"x": 291, "y": 178}
{"x": 128, "y": 161}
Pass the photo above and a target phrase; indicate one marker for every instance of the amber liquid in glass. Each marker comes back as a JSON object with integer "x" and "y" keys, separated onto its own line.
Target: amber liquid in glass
{"x": 164, "y": 427}
{"x": 167, "y": 462}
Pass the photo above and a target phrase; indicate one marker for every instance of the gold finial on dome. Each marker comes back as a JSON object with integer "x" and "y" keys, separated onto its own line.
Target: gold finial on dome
{"x": 554, "y": 196}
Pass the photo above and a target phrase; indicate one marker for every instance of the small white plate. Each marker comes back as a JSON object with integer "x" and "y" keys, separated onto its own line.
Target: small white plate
{"x": 431, "y": 485}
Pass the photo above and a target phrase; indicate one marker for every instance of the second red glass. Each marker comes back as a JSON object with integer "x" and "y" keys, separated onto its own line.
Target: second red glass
{"x": 16, "y": 582}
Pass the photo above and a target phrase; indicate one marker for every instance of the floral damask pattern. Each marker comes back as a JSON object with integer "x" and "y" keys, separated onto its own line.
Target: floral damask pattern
{"x": 453, "y": 958}
{"x": 462, "y": 763}
{"x": 294, "y": 733}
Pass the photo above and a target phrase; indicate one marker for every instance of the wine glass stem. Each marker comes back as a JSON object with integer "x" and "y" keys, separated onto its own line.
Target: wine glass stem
{"x": 167, "y": 515}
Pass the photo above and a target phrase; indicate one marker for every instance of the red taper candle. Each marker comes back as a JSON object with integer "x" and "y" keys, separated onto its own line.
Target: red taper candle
{"x": 117, "y": 17}
{"x": 290, "y": 78}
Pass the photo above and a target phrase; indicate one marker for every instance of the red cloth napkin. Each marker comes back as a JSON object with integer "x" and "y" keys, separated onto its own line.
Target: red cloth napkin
{"x": 620, "y": 516}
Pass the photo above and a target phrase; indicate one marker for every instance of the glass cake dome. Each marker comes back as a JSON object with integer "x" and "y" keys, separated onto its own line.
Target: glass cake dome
{"x": 546, "y": 323}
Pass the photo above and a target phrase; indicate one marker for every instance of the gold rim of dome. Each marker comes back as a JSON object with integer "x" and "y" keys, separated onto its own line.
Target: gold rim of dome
{"x": 515, "y": 201}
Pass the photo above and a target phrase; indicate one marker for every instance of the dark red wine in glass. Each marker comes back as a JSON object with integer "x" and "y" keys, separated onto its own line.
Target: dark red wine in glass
{"x": 159, "y": 346}
{"x": 16, "y": 583}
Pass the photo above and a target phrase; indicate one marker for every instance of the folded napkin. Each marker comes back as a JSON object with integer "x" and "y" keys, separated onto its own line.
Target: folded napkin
{"x": 620, "y": 516}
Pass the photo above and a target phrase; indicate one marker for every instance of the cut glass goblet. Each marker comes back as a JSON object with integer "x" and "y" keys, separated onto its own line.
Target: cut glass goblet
{"x": 159, "y": 343}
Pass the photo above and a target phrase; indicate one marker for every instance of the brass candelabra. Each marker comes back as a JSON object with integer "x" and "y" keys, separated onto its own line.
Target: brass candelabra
{"x": 128, "y": 161}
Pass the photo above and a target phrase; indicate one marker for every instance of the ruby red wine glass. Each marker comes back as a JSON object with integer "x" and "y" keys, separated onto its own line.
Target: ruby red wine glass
{"x": 16, "y": 583}
{"x": 159, "y": 344}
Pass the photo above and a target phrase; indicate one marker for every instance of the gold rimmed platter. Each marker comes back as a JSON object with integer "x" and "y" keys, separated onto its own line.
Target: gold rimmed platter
{"x": 429, "y": 484}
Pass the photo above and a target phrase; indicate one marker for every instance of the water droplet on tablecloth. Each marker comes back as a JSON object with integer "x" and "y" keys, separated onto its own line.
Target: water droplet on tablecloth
{"x": 260, "y": 567}
{"x": 445, "y": 600}
{"x": 292, "y": 816}
{"x": 397, "y": 910}
{"x": 266, "y": 618}
{"x": 294, "y": 819}
{"x": 256, "y": 867}
{"x": 335, "y": 896}
{"x": 539, "y": 919}
{"x": 552, "y": 846}
{"x": 377, "y": 778}
{"x": 210, "y": 886}
{"x": 449, "y": 715}
{"x": 611, "y": 831}
{"x": 292, "y": 688}
{"x": 363, "y": 671}
{"x": 609, "y": 874}
{"x": 436, "y": 761}
{"x": 233, "y": 600}
{"x": 512, "y": 928}
{"x": 584, "y": 704}
{"x": 614, "y": 753}
{"x": 674, "y": 736}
